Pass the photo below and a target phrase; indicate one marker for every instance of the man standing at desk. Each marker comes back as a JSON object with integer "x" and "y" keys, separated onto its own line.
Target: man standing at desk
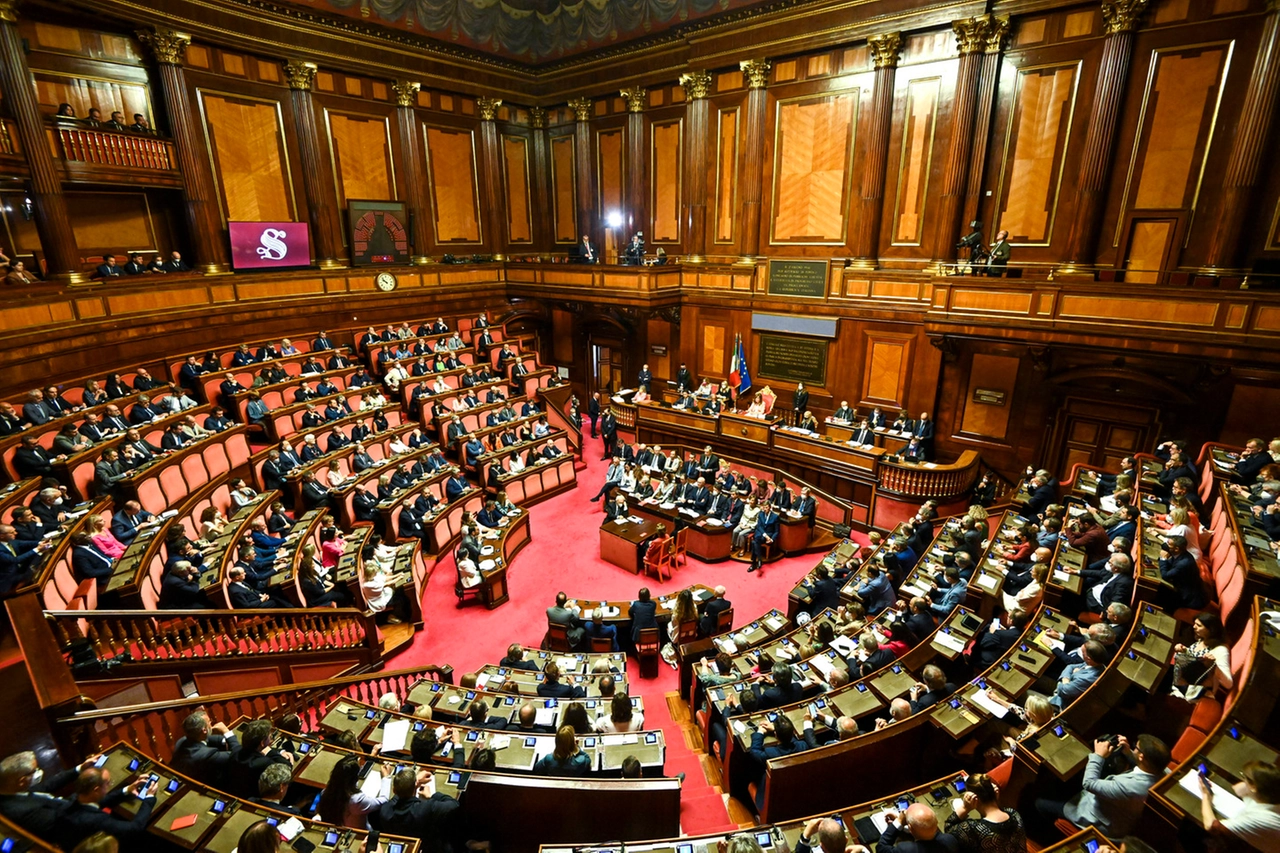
{"x": 609, "y": 431}
{"x": 800, "y": 401}
{"x": 645, "y": 379}
{"x": 585, "y": 252}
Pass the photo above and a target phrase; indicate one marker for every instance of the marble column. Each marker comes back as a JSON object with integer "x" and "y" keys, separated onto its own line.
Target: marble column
{"x": 585, "y": 172}
{"x": 697, "y": 162}
{"x": 413, "y": 168}
{"x": 491, "y": 163}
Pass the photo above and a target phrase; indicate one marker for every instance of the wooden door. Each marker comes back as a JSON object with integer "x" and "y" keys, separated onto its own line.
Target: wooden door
{"x": 1101, "y": 434}
{"x": 606, "y": 365}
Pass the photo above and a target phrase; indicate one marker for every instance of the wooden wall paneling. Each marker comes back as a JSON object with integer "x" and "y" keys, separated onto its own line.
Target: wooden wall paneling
{"x": 19, "y": 231}
{"x": 659, "y": 335}
{"x": 1031, "y": 167}
{"x": 76, "y": 40}
{"x": 1181, "y": 100}
{"x": 1250, "y": 406}
{"x": 250, "y": 158}
{"x": 888, "y": 368}
{"x": 562, "y": 333}
{"x": 714, "y": 346}
{"x": 609, "y": 174}
{"x": 516, "y": 187}
{"x": 1150, "y": 250}
{"x": 564, "y": 189}
{"x": 116, "y": 222}
{"x": 665, "y": 175}
{"x": 726, "y": 183}
{"x": 362, "y": 156}
{"x": 455, "y": 190}
{"x": 812, "y": 156}
{"x": 916, "y": 160}
{"x": 980, "y": 417}
{"x": 82, "y": 92}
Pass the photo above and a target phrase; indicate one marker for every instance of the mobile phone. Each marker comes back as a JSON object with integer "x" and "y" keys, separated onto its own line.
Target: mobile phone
{"x": 8, "y": 845}
{"x": 302, "y": 845}
{"x": 102, "y": 759}
{"x": 1202, "y": 769}
{"x": 330, "y": 839}
{"x": 1091, "y": 846}
{"x": 153, "y": 779}
{"x": 218, "y": 807}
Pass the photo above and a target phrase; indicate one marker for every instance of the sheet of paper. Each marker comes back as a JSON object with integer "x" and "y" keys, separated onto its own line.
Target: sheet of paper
{"x": 986, "y": 703}
{"x": 729, "y": 647}
{"x": 1225, "y": 803}
{"x": 949, "y": 641}
{"x": 1060, "y": 576}
{"x": 394, "y": 735}
{"x": 613, "y": 740}
{"x": 774, "y": 623}
{"x": 844, "y": 646}
{"x": 988, "y": 582}
{"x": 500, "y": 742}
{"x": 823, "y": 665}
{"x": 290, "y": 829}
{"x": 545, "y": 717}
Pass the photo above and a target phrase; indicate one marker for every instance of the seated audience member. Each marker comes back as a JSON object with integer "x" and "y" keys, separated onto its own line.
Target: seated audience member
{"x": 344, "y": 803}
{"x": 621, "y": 717}
{"x": 1258, "y": 822}
{"x": 1179, "y": 568}
{"x": 829, "y": 832}
{"x": 204, "y": 750}
{"x": 567, "y": 759}
{"x": 922, "y": 835}
{"x": 180, "y": 589}
{"x": 560, "y": 614}
{"x": 710, "y": 612}
{"x": 431, "y": 819}
{"x": 1114, "y": 802}
{"x": 515, "y": 659}
{"x": 88, "y": 561}
{"x": 1077, "y": 677}
{"x": 1206, "y": 663}
{"x": 18, "y": 275}
{"x": 932, "y": 688}
{"x": 245, "y": 597}
{"x": 91, "y": 810}
{"x": 108, "y": 268}
{"x": 551, "y": 688}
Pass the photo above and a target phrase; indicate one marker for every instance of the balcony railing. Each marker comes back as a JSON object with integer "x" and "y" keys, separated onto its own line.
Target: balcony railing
{"x": 112, "y": 148}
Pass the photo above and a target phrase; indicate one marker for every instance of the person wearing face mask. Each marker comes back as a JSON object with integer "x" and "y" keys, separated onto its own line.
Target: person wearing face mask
{"x": 1258, "y": 821}
{"x": 26, "y": 797}
{"x": 1111, "y": 584}
{"x": 1020, "y": 573}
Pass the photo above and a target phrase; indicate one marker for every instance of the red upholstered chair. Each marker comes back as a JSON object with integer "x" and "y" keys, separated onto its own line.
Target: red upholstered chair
{"x": 601, "y": 645}
{"x": 557, "y": 639}
{"x": 237, "y": 450}
{"x": 680, "y": 556}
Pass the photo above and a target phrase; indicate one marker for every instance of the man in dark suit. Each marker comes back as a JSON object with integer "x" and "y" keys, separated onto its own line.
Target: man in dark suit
{"x": 478, "y": 717}
{"x": 456, "y": 486}
{"x": 108, "y": 269}
{"x": 609, "y": 431}
{"x": 824, "y": 592}
{"x": 782, "y": 688}
{"x": 552, "y": 688}
{"x": 515, "y": 659}
{"x": 586, "y": 252}
{"x": 180, "y": 589}
{"x": 48, "y": 507}
{"x": 708, "y": 464}
{"x": 998, "y": 260}
{"x": 245, "y": 597}
{"x": 204, "y": 750}
{"x": 88, "y": 813}
{"x": 1178, "y": 567}
{"x": 88, "y": 561}
{"x": 1111, "y": 585}
{"x": 32, "y": 460}
{"x": 18, "y": 557}
{"x": 920, "y": 621}
{"x": 408, "y": 814}
{"x": 91, "y": 428}
{"x": 1252, "y": 460}
{"x": 1043, "y": 493}
{"x": 10, "y": 420}
{"x": 765, "y": 533}
{"x": 142, "y": 411}
{"x": 710, "y": 612}
{"x": 27, "y": 795}
{"x": 559, "y": 614}
{"x": 924, "y": 836}
{"x": 645, "y": 379}
{"x": 643, "y": 613}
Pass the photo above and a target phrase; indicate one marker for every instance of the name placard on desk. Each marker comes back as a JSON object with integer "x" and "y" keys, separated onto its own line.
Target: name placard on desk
{"x": 792, "y": 359}
{"x": 798, "y": 278}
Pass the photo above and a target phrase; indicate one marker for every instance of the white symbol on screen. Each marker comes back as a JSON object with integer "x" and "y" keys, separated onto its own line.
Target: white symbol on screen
{"x": 273, "y": 248}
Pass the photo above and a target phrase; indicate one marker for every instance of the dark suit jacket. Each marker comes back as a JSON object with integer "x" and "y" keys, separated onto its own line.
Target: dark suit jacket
{"x": 825, "y": 593}
{"x": 430, "y": 820}
{"x": 560, "y": 691}
{"x": 39, "y": 812}
{"x": 643, "y": 614}
{"x": 88, "y": 562}
{"x": 775, "y": 696}
{"x": 710, "y": 613}
{"x": 894, "y": 840}
{"x": 80, "y": 821}
{"x": 177, "y": 593}
{"x": 244, "y": 597}
{"x": 206, "y": 761}
{"x": 33, "y": 462}
{"x": 1182, "y": 572}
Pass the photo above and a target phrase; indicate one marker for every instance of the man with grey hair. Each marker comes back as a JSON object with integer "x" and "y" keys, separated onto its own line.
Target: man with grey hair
{"x": 204, "y": 750}
{"x": 832, "y": 728}
{"x": 899, "y": 710}
{"x": 48, "y": 507}
{"x": 711, "y": 610}
{"x": 26, "y": 797}
{"x": 830, "y": 835}
{"x": 272, "y": 785}
{"x": 922, "y": 824}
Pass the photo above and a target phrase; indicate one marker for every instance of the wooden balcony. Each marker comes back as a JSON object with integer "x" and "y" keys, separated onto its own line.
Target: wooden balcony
{"x": 97, "y": 155}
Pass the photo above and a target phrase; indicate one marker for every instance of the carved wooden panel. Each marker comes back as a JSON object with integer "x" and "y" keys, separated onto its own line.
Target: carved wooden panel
{"x": 79, "y": 41}
{"x": 665, "y": 176}
{"x": 888, "y": 368}
{"x": 726, "y": 175}
{"x": 1035, "y": 151}
{"x": 989, "y": 373}
{"x": 609, "y": 170}
{"x": 563, "y": 189}
{"x": 1148, "y": 250}
{"x": 362, "y": 164}
{"x": 1175, "y": 129}
{"x": 659, "y": 335}
{"x": 562, "y": 336}
{"x": 515, "y": 185}
{"x": 250, "y": 162}
{"x": 54, "y": 88}
{"x": 812, "y": 165}
{"x": 112, "y": 222}
{"x": 713, "y": 350}
{"x": 916, "y": 158}
{"x": 451, "y": 172}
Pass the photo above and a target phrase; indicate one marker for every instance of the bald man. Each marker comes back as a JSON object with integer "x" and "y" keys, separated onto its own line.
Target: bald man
{"x": 922, "y": 824}
{"x": 711, "y": 610}
{"x": 830, "y": 835}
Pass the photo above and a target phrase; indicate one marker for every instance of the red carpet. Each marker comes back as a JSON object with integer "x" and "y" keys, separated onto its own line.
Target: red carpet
{"x": 564, "y": 555}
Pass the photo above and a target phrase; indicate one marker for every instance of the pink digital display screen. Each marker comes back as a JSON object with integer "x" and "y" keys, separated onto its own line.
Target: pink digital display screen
{"x": 269, "y": 245}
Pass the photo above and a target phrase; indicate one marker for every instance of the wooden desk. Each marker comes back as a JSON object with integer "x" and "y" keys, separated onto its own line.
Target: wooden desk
{"x": 498, "y": 548}
{"x": 621, "y": 544}
{"x": 707, "y": 542}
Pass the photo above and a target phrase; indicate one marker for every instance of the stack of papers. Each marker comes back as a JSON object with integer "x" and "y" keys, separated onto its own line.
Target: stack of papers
{"x": 1225, "y": 803}
{"x": 986, "y": 703}
{"x": 949, "y": 641}
{"x": 394, "y": 735}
